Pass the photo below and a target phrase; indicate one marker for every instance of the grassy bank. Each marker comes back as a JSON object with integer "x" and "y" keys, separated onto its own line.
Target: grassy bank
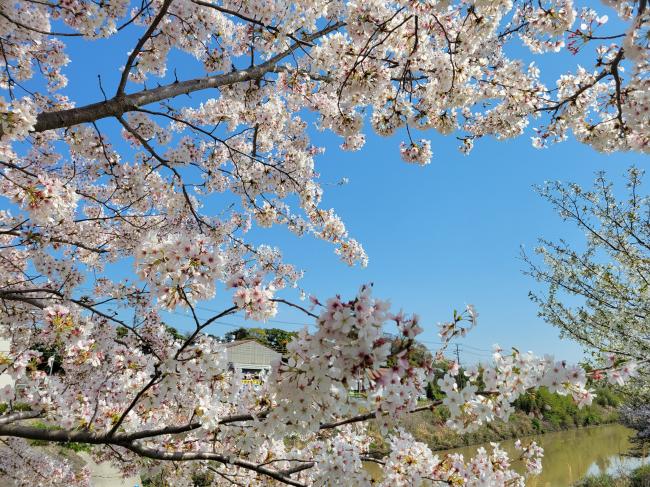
{"x": 639, "y": 477}
{"x": 541, "y": 412}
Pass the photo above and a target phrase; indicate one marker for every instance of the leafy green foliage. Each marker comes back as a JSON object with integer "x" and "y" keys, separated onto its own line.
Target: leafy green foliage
{"x": 602, "y": 480}
{"x": 562, "y": 412}
{"x": 274, "y": 338}
{"x": 535, "y": 413}
{"x": 639, "y": 477}
{"x": 175, "y": 333}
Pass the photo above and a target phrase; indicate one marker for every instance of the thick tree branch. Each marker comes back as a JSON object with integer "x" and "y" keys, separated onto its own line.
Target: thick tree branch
{"x": 189, "y": 456}
{"x": 374, "y": 415}
{"x": 130, "y": 440}
{"x": 82, "y": 436}
{"x": 117, "y": 106}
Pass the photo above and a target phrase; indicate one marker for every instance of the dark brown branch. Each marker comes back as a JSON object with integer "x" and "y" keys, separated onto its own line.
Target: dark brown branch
{"x": 36, "y": 302}
{"x": 201, "y": 327}
{"x": 154, "y": 379}
{"x": 82, "y": 436}
{"x": 189, "y": 456}
{"x": 58, "y": 240}
{"x": 234, "y": 13}
{"x": 117, "y": 106}
{"x": 373, "y": 415}
{"x": 129, "y": 440}
{"x": 297, "y": 306}
{"x": 136, "y": 51}
{"x": 609, "y": 70}
{"x": 38, "y": 31}
{"x": 16, "y": 295}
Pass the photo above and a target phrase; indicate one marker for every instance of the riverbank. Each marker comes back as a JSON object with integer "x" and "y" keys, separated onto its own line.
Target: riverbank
{"x": 428, "y": 429}
{"x": 639, "y": 477}
{"x": 569, "y": 456}
{"x": 539, "y": 413}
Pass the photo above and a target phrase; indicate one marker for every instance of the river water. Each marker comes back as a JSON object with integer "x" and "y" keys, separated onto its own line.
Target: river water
{"x": 571, "y": 455}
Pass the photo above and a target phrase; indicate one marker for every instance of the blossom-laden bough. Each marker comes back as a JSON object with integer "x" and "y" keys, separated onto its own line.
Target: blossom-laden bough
{"x": 146, "y": 180}
{"x": 147, "y": 395}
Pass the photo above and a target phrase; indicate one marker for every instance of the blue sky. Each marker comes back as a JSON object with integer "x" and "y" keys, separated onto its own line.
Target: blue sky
{"x": 438, "y": 237}
{"x": 448, "y": 234}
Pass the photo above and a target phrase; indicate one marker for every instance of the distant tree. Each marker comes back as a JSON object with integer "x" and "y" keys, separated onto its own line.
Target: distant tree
{"x": 238, "y": 334}
{"x": 274, "y": 338}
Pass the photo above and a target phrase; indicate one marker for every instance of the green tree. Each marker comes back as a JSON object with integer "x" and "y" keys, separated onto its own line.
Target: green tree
{"x": 274, "y": 338}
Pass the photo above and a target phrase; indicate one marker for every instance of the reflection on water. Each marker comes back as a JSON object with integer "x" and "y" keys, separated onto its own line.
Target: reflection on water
{"x": 570, "y": 455}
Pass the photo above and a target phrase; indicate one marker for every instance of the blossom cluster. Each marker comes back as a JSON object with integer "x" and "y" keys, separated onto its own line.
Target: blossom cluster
{"x": 17, "y": 118}
{"x": 82, "y": 373}
{"x": 253, "y": 297}
{"x": 22, "y": 464}
{"x": 508, "y": 378}
{"x": 180, "y": 269}
{"x": 49, "y": 201}
{"x": 101, "y": 239}
{"x": 417, "y": 152}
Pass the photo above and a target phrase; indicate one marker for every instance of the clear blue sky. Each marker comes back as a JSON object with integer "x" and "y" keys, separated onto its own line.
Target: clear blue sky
{"x": 438, "y": 237}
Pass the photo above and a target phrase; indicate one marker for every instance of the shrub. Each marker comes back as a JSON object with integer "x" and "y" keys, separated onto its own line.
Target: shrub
{"x": 602, "y": 480}
{"x": 640, "y": 477}
{"x": 605, "y": 396}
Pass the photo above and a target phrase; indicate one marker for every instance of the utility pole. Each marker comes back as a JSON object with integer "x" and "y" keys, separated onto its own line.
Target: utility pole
{"x": 461, "y": 381}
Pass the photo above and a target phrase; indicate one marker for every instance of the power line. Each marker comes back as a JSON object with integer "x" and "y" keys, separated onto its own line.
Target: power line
{"x": 462, "y": 345}
{"x": 475, "y": 348}
{"x": 203, "y": 308}
{"x": 486, "y": 356}
{"x": 217, "y": 322}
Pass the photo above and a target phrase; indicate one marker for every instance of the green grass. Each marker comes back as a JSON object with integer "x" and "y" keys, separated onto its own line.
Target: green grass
{"x": 602, "y": 480}
{"x": 640, "y": 477}
{"x": 562, "y": 413}
{"x": 4, "y": 407}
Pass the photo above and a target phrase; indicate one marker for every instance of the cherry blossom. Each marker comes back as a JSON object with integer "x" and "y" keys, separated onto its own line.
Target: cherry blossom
{"x": 121, "y": 212}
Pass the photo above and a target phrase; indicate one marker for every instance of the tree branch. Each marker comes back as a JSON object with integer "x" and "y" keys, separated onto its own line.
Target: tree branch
{"x": 136, "y": 50}
{"x": 117, "y": 106}
{"x": 82, "y": 436}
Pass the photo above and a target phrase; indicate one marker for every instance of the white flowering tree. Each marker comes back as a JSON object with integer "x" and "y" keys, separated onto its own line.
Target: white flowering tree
{"x": 136, "y": 180}
{"x": 599, "y": 295}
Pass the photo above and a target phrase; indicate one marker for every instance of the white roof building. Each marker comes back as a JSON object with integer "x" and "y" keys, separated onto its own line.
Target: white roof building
{"x": 5, "y": 379}
{"x": 250, "y": 355}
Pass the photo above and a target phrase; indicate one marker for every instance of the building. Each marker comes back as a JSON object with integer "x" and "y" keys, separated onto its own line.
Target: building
{"x": 251, "y": 357}
{"x": 5, "y": 379}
